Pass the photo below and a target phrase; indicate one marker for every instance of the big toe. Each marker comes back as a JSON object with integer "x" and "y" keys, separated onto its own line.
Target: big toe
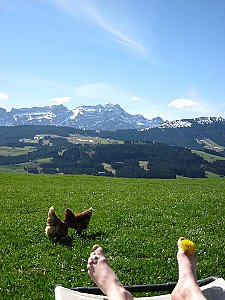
{"x": 97, "y": 249}
{"x": 179, "y": 241}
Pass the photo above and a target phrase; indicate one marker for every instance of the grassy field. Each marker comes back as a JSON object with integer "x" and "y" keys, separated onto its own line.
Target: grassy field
{"x": 14, "y": 151}
{"x": 79, "y": 139}
{"x": 20, "y": 168}
{"x": 209, "y": 157}
{"x": 137, "y": 221}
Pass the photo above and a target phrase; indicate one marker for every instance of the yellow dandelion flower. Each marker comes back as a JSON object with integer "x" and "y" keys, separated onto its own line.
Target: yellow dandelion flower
{"x": 188, "y": 246}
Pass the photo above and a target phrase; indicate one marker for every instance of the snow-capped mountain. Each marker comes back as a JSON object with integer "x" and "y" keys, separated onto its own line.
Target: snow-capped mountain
{"x": 109, "y": 117}
{"x": 48, "y": 115}
{"x": 99, "y": 117}
{"x": 191, "y": 122}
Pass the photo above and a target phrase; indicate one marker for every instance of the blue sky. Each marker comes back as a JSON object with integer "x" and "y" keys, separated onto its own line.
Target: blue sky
{"x": 152, "y": 57}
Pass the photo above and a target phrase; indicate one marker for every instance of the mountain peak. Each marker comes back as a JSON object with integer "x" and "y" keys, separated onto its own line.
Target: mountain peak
{"x": 98, "y": 117}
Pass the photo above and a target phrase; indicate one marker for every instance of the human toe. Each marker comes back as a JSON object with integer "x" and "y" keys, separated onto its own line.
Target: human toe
{"x": 97, "y": 250}
{"x": 179, "y": 242}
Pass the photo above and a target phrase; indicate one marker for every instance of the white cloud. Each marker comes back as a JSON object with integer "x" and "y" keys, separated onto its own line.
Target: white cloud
{"x": 183, "y": 103}
{"x": 60, "y": 100}
{"x": 135, "y": 98}
{"x": 4, "y": 96}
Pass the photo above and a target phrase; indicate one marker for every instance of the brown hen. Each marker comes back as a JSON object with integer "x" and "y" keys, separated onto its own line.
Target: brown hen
{"x": 55, "y": 228}
{"x": 79, "y": 221}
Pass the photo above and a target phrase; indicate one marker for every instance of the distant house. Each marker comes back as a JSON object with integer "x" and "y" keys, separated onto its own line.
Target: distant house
{"x": 38, "y": 137}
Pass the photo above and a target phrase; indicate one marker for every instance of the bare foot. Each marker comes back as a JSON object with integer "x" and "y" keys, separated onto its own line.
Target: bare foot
{"x": 187, "y": 287}
{"x": 103, "y": 276}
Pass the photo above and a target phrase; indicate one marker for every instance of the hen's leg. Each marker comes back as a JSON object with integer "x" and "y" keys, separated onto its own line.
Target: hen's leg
{"x": 187, "y": 287}
{"x": 103, "y": 276}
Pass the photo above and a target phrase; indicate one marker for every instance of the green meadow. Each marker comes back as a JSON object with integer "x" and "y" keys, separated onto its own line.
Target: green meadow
{"x": 137, "y": 222}
{"x": 15, "y": 151}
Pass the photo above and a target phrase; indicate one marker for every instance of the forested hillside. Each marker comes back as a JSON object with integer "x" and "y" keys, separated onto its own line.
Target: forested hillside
{"x": 11, "y": 135}
{"x": 55, "y": 150}
{"x": 193, "y": 137}
{"x": 161, "y": 161}
{"x": 137, "y": 160}
{"x": 198, "y": 136}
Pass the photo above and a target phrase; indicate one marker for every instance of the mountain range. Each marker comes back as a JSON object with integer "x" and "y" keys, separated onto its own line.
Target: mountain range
{"x": 99, "y": 117}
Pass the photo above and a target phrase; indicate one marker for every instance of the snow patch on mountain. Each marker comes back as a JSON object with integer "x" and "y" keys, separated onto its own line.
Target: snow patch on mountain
{"x": 75, "y": 113}
{"x": 190, "y": 122}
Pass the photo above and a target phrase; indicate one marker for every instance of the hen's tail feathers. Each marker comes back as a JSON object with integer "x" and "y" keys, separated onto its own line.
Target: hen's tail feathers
{"x": 85, "y": 212}
{"x": 52, "y": 217}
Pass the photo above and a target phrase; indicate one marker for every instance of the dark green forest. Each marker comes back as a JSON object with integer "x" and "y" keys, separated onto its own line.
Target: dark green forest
{"x": 132, "y": 158}
{"x": 162, "y": 161}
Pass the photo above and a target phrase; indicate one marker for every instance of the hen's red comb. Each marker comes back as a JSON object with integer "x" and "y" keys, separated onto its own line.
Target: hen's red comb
{"x": 68, "y": 211}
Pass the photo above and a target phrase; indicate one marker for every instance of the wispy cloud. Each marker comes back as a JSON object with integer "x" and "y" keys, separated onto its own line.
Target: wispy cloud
{"x": 114, "y": 30}
{"x": 183, "y": 103}
{"x": 105, "y": 92}
{"x": 86, "y": 10}
{"x": 60, "y": 100}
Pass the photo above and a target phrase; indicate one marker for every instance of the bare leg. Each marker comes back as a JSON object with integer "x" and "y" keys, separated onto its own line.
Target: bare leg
{"x": 104, "y": 277}
{"x": 187, "y": 287}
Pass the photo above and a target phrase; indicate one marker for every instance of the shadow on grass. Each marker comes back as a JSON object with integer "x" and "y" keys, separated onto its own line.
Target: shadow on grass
{"x": 87, "y": 236}
{"x": 66, "y": 241}
{"x": 90, "y": 235}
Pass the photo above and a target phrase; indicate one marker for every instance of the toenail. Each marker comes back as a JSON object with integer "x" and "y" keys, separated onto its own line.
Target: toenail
{"x": 96, "y": 257}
